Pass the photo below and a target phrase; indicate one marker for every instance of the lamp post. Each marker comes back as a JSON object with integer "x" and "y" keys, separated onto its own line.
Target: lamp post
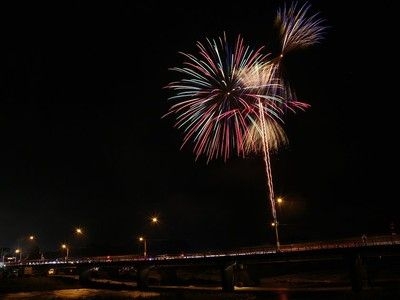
{"x": 144, "y": 241}
{"x": 152, "y": 221}
{"x": 80, "y": 235}
{"x": 19, "y": 251}
{"x": 275, "y": 223}
{"x": 64, "y": 246}
{"x": 22, "y": 243}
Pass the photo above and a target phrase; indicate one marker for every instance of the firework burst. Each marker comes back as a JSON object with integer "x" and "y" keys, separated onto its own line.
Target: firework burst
{"x": 216, "y": 100}
{"x": 298, "y": 28}
{"x": 232, "y": 99}
{"x": 277, "y": 137}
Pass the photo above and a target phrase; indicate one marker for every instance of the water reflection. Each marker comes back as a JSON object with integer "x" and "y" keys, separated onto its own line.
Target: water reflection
{"x": 82, "y": 294}
{"x": 279, "y": 294}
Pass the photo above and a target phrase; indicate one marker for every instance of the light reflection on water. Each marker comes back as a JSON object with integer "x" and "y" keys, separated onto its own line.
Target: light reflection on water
{"x": 102, "y": 294}
{"x": 81, "y": 294}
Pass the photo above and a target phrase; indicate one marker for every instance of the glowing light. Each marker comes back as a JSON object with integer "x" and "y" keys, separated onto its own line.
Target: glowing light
{"x": 298, "y": 28}
{"x": 232, "y": 99}
{"x": 215, "y": 105}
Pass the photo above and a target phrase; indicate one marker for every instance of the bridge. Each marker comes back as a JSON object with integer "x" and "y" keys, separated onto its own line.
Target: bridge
{"x": 237, "y": 267}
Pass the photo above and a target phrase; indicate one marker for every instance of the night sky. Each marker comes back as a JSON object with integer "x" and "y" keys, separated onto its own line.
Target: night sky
{"x": 83, "y": 142}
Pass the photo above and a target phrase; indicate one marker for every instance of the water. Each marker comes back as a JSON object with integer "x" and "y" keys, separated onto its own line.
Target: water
{"x": 273, "y": 294}
{"x": 81, "y": 294}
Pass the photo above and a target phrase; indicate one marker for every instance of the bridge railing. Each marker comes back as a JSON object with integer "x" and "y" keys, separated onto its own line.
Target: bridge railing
{"x": 378, "y": 240}
{"x": 258, "y": 250}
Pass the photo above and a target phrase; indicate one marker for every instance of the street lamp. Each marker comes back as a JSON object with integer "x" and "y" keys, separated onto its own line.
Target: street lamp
{"x": 275, "y": 223}
{"x": 79, "y": 234}
{"x": 22, "y": 244}
{"x": 64, "y": 246}
{"x": 142, "y": 239}
{"x": 19, "y": 251}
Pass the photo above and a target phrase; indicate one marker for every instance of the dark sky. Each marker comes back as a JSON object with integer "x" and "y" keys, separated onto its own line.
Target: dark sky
{"x": 83, "y": 142}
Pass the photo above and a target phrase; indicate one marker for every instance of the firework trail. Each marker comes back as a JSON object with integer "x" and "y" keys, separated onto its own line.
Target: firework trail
{"x": 232, "y": 99}
{"x": 266, "y": 132}
{"x": 298, "y": 29}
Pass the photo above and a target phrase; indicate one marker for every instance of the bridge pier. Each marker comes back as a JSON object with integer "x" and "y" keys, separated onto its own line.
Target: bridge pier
{"x": 143, "y": 278}
{"x": 357, "y": 274}
{"x": 228, "y": 277}
{"x": 244, "y": 277}
{"x": 357, "y": 271}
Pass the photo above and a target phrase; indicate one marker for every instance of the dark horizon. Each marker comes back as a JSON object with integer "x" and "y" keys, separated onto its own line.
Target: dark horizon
{"x": 84, "y": 143}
